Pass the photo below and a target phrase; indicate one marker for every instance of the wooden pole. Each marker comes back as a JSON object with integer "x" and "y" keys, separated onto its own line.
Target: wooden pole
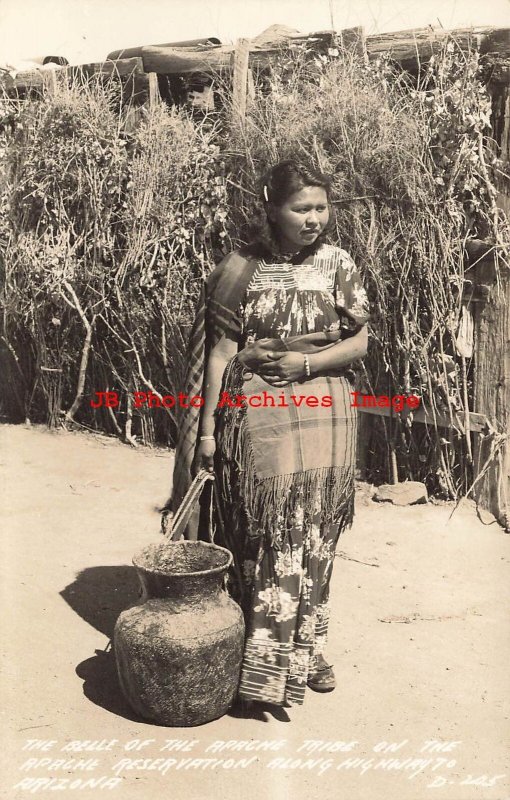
{"x": 251, "y": 88}
{"x": 505, "y": 137}
{"x": 240, "y": 60}
{"x": 50, "y": 81}
{"x": 492, "y": 397}
{"x": 154, "y": 96}
{"x": 354, "y": 39}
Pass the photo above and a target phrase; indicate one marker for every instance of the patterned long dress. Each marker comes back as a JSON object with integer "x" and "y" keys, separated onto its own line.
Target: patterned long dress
{"x": 285, "y": 588}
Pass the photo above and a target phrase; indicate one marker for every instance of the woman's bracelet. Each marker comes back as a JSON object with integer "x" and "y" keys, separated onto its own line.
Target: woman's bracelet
{"x": 307, "y": 365}
{"x": 207, "y": 438}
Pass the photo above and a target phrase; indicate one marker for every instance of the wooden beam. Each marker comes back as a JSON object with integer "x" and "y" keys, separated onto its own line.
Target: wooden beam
{"x": 404, "y": 46}
{"x": 199, "y": 55}
{"x": 37, "y": 78}
{"x": 122, "y": 68}
{"x": 170, "y": 61}
{"x": 136, "y": 52}
{"x": 497, "y": 41}
{"x": 28, "y": 79}
{"x": 421, "y": 43}
{"x": 477, "y": 422}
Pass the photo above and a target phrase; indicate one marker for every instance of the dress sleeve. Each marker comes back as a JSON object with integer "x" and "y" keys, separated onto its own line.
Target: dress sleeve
{"x": 351, "y": 299}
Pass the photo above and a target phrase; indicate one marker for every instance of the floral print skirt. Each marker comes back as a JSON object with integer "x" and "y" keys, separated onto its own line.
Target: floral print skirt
{"x": 288, "y": 610}
{"x": 284, "y": 594}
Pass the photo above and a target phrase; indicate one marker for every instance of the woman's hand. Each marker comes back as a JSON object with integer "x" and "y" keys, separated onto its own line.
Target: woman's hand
{"x": 204, "y": 457}
{"x": 289, "y": 367}
{"x": 255, "y": 356}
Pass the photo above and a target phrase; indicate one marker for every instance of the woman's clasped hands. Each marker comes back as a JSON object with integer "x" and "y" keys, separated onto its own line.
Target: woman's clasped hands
{"x": 278, "y": 368}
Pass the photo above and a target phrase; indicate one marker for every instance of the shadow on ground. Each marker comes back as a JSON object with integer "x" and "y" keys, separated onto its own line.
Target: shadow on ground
{"x": 260, "y": 711}
{"x": 101, "y": 685}
{"x": 98, "y": 595}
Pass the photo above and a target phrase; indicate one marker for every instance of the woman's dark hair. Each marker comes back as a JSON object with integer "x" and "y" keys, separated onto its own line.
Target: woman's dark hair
{"x": 287, "y": 177}
{"x": 277, "y": 185}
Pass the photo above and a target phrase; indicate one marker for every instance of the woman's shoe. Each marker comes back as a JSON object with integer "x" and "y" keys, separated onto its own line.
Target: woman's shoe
{"x": 322, "y": 677}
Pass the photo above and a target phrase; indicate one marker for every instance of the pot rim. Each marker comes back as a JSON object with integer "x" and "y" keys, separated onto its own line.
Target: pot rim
{"x": 154, "y": 571}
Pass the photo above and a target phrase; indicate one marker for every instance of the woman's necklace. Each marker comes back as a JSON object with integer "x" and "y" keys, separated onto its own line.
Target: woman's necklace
{"x": 286, "y": 257}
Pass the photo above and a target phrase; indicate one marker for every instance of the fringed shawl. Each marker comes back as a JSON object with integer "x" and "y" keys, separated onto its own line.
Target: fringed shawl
{"x": 274, "y": 458}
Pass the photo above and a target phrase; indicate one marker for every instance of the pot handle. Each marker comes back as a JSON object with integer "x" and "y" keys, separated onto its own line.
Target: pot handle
{"x": 189, "y": 501}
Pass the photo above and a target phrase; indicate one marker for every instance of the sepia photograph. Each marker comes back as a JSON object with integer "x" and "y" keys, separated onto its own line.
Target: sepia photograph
{"x": 255, "y": 399}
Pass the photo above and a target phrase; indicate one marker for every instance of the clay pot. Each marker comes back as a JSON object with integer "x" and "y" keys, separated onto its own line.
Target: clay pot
{"x": 179, "y": 652}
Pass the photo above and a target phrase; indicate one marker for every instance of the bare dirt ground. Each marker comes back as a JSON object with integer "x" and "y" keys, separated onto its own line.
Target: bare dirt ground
{"x": 419, "y": 640}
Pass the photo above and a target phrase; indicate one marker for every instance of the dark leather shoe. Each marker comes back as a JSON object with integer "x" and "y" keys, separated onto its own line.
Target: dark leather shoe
{"x": 322, "y": 679}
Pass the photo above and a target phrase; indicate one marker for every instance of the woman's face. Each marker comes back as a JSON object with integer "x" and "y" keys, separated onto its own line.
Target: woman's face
{"x": 302, "y": 217}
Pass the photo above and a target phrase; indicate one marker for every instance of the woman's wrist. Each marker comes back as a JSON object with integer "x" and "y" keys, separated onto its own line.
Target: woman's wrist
{"x": 206, "y": 432}
{"x": 240, "y": 358}
{"x": 207, "y": 428}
